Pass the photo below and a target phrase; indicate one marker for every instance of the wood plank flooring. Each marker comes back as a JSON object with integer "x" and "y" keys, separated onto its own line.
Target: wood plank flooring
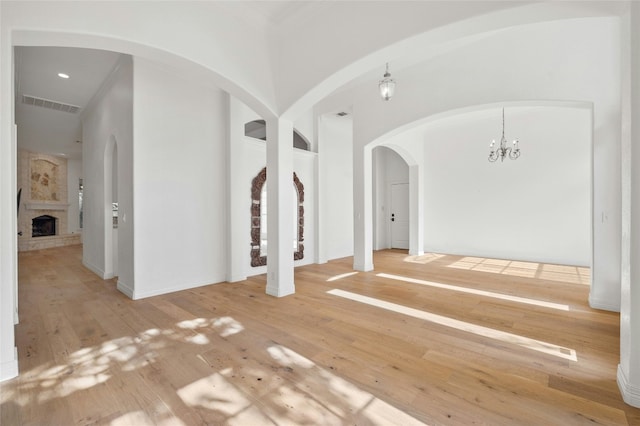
{"x": 435, "y": 340}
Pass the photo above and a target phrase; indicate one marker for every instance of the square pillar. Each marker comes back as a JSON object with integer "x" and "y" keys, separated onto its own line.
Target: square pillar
{"x": 280, "y": 217}
{"x": 362, "y": 209}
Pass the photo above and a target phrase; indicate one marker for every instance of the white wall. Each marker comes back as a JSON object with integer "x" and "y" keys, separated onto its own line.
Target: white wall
{"x": 179, "y": 182}
{"x": 336, "y": 179}
{"x": 535, "y": 208}
{"x": 74, "y": 174}
{"x": 108, "y": 120}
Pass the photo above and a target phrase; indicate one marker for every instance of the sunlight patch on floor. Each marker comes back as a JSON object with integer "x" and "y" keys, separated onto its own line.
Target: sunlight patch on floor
{"x": 484, "y": 293}
{"x": 330, "y": 399}
{"x": 525, "y": 342}
{"x": 570, "y": 274}
{"x": 314, "y": 396}
{"x": 215, "y": 393}
{"x": 92, "y": 366}
{"x": 226, "y": 325}
{"x": 341, "y": 276}
{"x": 424, "y": 258}
{"x": 561, "y": 273}
{"x": 140, "y": 418}
{"x": 287, "y": 357}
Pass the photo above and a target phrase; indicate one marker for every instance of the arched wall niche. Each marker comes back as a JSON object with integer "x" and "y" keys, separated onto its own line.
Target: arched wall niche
{"x": 258, "y": 258}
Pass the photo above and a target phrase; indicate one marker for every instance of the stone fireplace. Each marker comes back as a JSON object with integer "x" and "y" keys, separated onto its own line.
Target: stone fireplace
{"x": 44, "y": 204}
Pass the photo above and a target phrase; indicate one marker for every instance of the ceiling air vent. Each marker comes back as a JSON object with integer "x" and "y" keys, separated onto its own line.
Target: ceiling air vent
{"x": 47, "y": 103}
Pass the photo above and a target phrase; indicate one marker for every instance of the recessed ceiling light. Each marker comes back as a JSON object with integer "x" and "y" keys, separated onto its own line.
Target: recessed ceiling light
{"x": 63, "y": 75}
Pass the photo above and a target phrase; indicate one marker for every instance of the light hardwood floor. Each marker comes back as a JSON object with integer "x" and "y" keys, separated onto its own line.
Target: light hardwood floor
{"x": 347, "y": 348}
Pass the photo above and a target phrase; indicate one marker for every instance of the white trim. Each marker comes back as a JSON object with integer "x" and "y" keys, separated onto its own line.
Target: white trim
{"x": 126, "y": 289}
{"x": 271, "y": 291}
{"x": 363, "y": 268}
{"x": 630, "y": 393}
{"x": 157, "y": 292}
{"x": 9, "y": 369}
{"x": 99, "y": 272}
{"x": 604, "y": 305}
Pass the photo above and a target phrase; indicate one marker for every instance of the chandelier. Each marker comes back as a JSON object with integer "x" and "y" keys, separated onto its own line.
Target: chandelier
{"x": 387, "y": 85}
{"x": 503, "y": 151}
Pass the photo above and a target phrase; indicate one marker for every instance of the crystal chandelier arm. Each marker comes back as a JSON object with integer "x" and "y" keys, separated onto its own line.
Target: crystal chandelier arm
{"x": 515, "y": 152}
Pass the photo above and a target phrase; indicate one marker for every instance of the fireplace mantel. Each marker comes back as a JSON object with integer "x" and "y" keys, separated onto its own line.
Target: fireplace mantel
{"x": 46, "y": 206}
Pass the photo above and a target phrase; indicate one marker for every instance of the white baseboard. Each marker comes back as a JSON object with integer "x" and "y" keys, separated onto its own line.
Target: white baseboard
{"x": 157, "y": 292}
{"x": 236, "y": 278}
{"x": 630, "y": 393}
{"x": 271, "y": 291}
{"x": 126, "y": 289}
{"x": 603, "y": 305}
{"x": 363, "y": 267}
{"x": 9, "y": 369}
{"x": 99, "y": 272}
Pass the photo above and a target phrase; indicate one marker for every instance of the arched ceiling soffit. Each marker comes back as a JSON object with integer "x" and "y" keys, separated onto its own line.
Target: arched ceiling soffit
{"x": 194, "y": 38}
{"x": 199, "y": 39}
{"x": 393, "y": 138}
{"x": 428, "y": 41}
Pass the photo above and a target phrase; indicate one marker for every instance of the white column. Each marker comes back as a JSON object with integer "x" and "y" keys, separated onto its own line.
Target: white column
{"x": 416, "y": 210}
{"x": 321, "y": 196}
{"x": 8, "y": 227}
{"x": 280, "y": 201}
{"x": 629, "y": 367}
{"x": 362, "y": 208}
{"x": 238, "y": 221}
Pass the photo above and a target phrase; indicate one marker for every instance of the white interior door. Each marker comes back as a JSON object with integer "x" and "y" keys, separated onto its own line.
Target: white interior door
{"x": 400, "y": 216}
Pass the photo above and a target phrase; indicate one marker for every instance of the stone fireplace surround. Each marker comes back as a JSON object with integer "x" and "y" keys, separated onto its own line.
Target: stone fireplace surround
{"x": 30, "y": 209}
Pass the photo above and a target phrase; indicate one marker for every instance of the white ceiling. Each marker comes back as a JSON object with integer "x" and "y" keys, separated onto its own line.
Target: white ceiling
{"x": 36, "y": 73}
{"x": 268, "y": 14}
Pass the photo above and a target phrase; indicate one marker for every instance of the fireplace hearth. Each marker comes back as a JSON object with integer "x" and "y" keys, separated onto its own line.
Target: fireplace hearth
{"x": 43, "y": 226}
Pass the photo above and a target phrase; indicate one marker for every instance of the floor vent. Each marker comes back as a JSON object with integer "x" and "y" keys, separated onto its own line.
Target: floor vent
{"x": 47, "y": 103}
